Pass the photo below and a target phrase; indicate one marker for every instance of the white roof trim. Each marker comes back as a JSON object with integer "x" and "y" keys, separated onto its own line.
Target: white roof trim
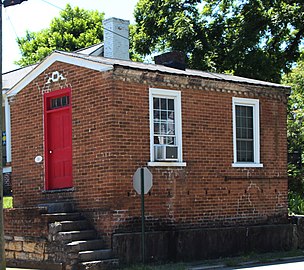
{"x": 57, "y": 57}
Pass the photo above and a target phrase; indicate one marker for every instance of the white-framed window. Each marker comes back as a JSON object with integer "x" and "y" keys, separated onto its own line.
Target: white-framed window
{"x": 165, "y": 128}
{"x": 246, "y": 132}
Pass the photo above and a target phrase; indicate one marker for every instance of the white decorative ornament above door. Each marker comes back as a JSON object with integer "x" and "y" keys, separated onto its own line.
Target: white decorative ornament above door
{"x": 55, "y": 77}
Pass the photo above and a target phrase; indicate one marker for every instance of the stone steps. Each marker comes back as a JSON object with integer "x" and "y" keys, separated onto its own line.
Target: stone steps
{"x": 56, "y": 217}
{"x": 84, "y": 249}
{"x": 69, "y": 225}
{"x": 71, "y": 236}
{"x": 57, "y": 207}
{"x": 99, "y": 265}
{"x": 92, "y": 255}
{"x": 83, "y": 245}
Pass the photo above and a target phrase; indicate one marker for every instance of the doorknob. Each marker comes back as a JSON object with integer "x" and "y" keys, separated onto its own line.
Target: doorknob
{"x": 51, "y": 151}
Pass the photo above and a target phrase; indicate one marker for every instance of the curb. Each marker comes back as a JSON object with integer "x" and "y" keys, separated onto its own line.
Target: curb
{"x": 247, "y": 263}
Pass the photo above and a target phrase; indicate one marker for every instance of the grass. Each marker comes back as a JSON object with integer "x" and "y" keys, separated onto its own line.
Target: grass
{"x": 256, "y": 257}
{"x": 8, "y": 202}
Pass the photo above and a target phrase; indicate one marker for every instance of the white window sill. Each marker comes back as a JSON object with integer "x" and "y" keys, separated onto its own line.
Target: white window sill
{"x": 247, "y": 165}
{"x": 166, "y": 164}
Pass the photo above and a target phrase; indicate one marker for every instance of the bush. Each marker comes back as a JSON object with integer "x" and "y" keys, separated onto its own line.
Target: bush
{"x": 296, "y": 203}
{"x": 296, "y": 189}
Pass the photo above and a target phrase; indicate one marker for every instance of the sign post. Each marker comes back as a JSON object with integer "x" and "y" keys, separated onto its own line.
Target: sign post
{"x": 142, "y": 178}
{"x": 142, "y": 183}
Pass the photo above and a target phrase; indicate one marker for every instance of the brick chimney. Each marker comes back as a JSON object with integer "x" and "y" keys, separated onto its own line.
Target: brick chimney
{"x": 116, "y": 38}
{"x": 174, "y": 59}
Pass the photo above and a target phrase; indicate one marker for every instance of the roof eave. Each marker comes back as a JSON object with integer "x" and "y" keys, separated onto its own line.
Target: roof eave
{"x": 57, "y": 56}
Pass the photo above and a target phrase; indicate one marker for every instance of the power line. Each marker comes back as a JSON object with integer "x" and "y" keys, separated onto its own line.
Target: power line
{"x": 52, "y": 4}
{"x": 47, "y": 2}
{"x": 115, "y": 33}
{"x": 11, "y": 23}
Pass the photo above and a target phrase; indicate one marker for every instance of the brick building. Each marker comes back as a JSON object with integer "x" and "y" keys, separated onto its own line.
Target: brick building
{"x": 216, "y": 145}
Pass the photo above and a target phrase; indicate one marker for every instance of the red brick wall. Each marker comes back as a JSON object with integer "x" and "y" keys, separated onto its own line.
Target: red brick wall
{"x": 110, "y": 112}
{"x": 25, "y": 222}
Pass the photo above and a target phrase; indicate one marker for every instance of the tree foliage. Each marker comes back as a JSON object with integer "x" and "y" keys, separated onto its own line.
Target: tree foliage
{"x": 253, "y": 38}
{"x": 295, "y": 122}
{"x": 295, "y": 125}
{"x": 73, "y": 29}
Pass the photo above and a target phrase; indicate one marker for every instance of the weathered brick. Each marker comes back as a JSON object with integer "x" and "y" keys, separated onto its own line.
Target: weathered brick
{"x": 110, "y": 137}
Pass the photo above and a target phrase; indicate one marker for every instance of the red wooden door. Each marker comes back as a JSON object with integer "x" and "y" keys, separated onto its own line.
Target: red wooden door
{"x": 58, "y": 139}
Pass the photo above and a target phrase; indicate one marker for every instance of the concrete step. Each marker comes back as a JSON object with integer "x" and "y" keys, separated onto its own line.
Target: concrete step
{"x": 93, "y": 255}
{"x": 84, "y": 245}
{"x": 63, "y": 216}
{"x": 70, "y": 225}
{"x": 57, "y": 207}
{"x": 72, "y": 236}
{"x": 99, "y": 265}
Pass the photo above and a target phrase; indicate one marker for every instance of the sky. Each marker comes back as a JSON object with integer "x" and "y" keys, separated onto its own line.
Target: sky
{"x": 34, "y": 15}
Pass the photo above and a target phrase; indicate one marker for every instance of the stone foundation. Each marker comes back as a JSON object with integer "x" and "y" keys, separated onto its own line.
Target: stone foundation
{"x": 29, "y": 252}
{"x": 23, "y": 248}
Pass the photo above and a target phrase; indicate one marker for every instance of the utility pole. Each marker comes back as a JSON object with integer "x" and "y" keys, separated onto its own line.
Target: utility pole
{"x": 2, "y": 243}
{"x": 5, "y": 3}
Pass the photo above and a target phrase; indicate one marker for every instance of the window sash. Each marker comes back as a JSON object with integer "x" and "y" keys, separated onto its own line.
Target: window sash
{"x": 165, "y": 125}
{"x": 246, "y": 132}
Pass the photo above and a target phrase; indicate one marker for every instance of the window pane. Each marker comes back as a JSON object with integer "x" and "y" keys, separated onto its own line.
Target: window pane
{"x": 171, "y": 129}
{"x": 156, "y": 114}
{"x": 244, "y": 133}
{"x": 164, "y": 129}
{"x": 156, "y": 102}
{"x": 65, "y": 101}
{"x": 164, "y": 115}
{"x": 53, "y": 103}
{"x": 163, "y": 103}
{"x": 171, "y": 115}
{"x": 170, "y": 140}
{"x": 250, "y": 133}
{"x": 156, "y": 128}
{"x": 56, "y": 103}
{"x": 171, "y": 104}
{"x": 245, "y": 151}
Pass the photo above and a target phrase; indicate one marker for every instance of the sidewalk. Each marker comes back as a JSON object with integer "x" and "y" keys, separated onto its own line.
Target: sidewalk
{"x": 7, "y": 268}
{"x": 222, "y": 263}
{"x": 246, "y": 261}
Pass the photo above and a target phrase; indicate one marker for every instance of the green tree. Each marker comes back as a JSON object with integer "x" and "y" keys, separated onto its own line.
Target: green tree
{"x": 252, "y": 38}
{"x": 73, "y": 29}
{"x": 295, "y": 124}
{"x": 296, "y": 106}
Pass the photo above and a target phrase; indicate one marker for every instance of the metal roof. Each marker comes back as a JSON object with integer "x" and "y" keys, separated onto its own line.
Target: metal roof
{"x": 16, "y": 80}
{"x": 10, "y": 78}
{"x": 96, "y": 50}
{"x": 164, "y": 69}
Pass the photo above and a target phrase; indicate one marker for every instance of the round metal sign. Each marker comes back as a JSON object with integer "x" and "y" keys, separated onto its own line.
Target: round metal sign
{"x": 38, "y": 159}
